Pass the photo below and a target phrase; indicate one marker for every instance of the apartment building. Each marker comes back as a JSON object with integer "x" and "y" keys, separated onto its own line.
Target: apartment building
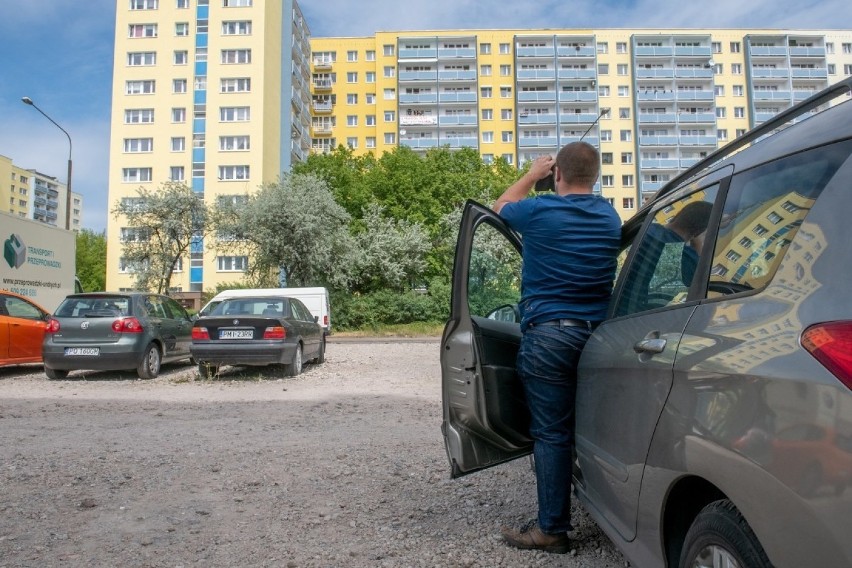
{"x": 211, "y": 93}
{"x": 33, "y": 195}
{"x": 654, "y": 101}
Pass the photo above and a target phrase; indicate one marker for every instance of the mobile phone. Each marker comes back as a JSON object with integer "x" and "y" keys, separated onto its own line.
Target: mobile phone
{"x": 546, "y": 183}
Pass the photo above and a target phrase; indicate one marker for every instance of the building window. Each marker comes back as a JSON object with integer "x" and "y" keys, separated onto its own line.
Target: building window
{"x": 606, "y": 135}
{"x": 627, "y": 180}
{"x": 237, "y": 3}
{"x": 606, "y": 158}
{"x": 506, "y": 114}
{"x": 138, "y": 145}
{"x": 505, "y": 49}
{"x": 484, "y": 48}
{"x": 832, "y": 69}
{"x": 485, "y": 70}
{"x": 370, "y": 98}
{"x": 371, "y": 120}
{"x": 178, "y": 144}
{"x": 352, "y": 120}
{"x": 485, "y": 92}
{"x": 607, "y": 181}
{"x": 628, "y": 203}
{"x": 720, "y": 112}
{"x": 736, "y": 69}
{"x": 627, "y": 157}
{"x": 738, "y": 90}
{"x": 506, "y": 92}
{"x": 716, "y": 47}
{"x": 129, "y": 175}
{"x": 735, "y": 47}
{"x": 390, "y": 116}
{"x": 232, "y": 263}
{"x": 371, "y": 142}
{"x": 233, "y": 56}
{"x": 138, "y": 116}
{"x": 603, "y": 90}
{"x": 719, "y": 90}
{"x": 236, "y": 27}
{"x": 181, "y": 57}
{"x": 234, "y": 143}
{"x": 178, "y": 85}
{"x": 234, "y": 114}
{"x": 144, "y": 4}
{"x": 623, "y": 91}
{"x": 141, "y": 58}
{"x": 847, "y": 48}
{"x": 178, "y": 115}
{"x": 390, "y": 94}
{"x": 371, "y": 55}
{"x": 507, "y": 136}
{"x": 487, "y": 136}
{"x": 621, "y": 69}
{"x": 388, "y": 50}
{"x": 505, "y": 70}
{"x": 603, "y": 68}
{"x": 390, "y": 138}
{"x": 352, "y": 55}
{"x": 487, "y": 114}
{"x": 352, "y": 99}
{"x": 142, "y": 30}
{"x": 352, "y": 142}
{"x": 624, "y": 112}
{"x": 626, "y": 136}
{"x": 352, "y": 77}
{"x": 603, "y": 47}
{"x": 621, "y": 47}
{"x": 371, "y": 77}
{"x": 182, "y": 29}
{"x": 230, "y": 173}
{"x": 140, "y": 87}
{"x": 176, "y": 173}
{"x": 509, "y": 158}
{"x": 235, "y": 85}
{"x": 739, "y": 112}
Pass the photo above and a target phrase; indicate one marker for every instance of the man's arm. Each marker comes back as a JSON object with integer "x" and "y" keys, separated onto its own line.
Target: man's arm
{"x": 540, "y": 168}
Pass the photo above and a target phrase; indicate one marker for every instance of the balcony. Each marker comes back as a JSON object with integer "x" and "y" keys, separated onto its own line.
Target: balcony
{"x": 322, "y": 107}
{"x": 419, "y": 142}
{"x": 537, "y": 96}
{"x": 658, "y": 140}
{"x": 418, "y": 53}
{"x": 698, "y": 141}
{"x": 51, "y": 192}
{"x": 577, "y": 96}
{"x": 772, "y": 95}
{"x": 534, "y": 52}
{"x": 653, "y": 51}
{"x": 457, "y": 75}
{"x": 296, "y": 150}
{"x": 419, "y": 120}
{"x": 663, "y": 164}
{"x": 769, "y": 73}
{"x": 321, "y": 129}
{"x": 577, "y": 118}
{"x": 693, "y": 73}
{"x": 537, "y": 141}
{"x": 457, "y": 53}
{"x": 536, "y": 74}
{"x": 323, "y": 64}
{"x": 799, "y": 96}
{"x": 692, "y": 51}
{"x": 51, "y": 215}
{"x": 459, "y": 141}
{"x": 768, "y": 51}
{"x": 657, "y": 118}
{"x": 647, "y": 95}
{"x": 453, "y": 120}
{"x": 695, "y": 95}
{"x": 429, "y": 76}
{"x": 593, "y": 140}
{"x": 655, "y": 73}
{"x": 40, "y": 201}
{"x": 688, "y": 162}
{"x": 696, "y": 118}
{"x": 579, "y": 51}
{"x": 468, "y": 97}
{"x": 419, "y": 98}
{"x": 322, "y": 84}
{"x": 799, "y": 73}
{"x": 537, "y": 118}
{"x": 807, "y": 52}
{"x": 652, "y": 186}
{"x": 577, "y": 73}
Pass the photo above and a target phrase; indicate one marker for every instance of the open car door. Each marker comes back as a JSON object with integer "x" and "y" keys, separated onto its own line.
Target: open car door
{"x": 486, "y": 420}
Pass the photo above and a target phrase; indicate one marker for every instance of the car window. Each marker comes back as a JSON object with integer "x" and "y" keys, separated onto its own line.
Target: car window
{"x": 494, "y": 278}
{"x": 173, "y": 309}
{"x": 154, "y": 305}
{"x": 763, "y": 211}
{"x": 18, "y": 308}
{"x": 300, "y": 311}
{"x": 664, "y": 266}
{"x": 94, "y": 306}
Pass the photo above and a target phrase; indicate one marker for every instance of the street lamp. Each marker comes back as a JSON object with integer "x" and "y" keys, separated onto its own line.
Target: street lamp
{"x": 30, "y": 102}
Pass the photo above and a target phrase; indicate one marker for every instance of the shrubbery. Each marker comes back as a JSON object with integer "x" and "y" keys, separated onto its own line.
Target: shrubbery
{"x": 387, "y": 307}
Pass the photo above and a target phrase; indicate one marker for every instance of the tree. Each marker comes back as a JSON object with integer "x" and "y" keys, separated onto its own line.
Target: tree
{"x": 294, "y": 226}
{"x": 161, "y": 226}
{"x": 91, "y": 259}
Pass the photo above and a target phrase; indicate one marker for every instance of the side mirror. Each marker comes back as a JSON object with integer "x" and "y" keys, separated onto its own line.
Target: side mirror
{"x": 316, "y": 319}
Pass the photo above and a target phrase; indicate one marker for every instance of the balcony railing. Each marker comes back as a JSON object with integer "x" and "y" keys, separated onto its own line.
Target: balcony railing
{"x": 457, "y": 97}
{"x": 662, "y": 164}
{"x": 577, "y": 96}
{"x": 577, "y": 73}
{"x": 772, "y": 95}
{"x": 769, "y": 73}
{"x": 419, "y": 98}
{"x": 807, "y": 52}
{"x": 768, "y": 50}
{"x": 809, "y": 73}
{"x": 322, "y": 64}
{"x": 418, "y": 120}
{"x": 322, "y": 107}
{"x": 577, "y": 118}
{"x": 658, "y": 140}
{"x": 419, "y": 142}
{"x": 698, "y": 50}
{"x": 459, "y": 52}
{"x": 458, "y": 141}
{"x": 537, "y": 141}
{"x": 579, "y": 51}
{"x": 462, "y": 75}
{"x": 321, "y": 129}
{"x": 418, "y": 53}
{"x": 656, "y": 73}
{"x": 653, "y": 51}
{"x": 536, "y": 74}
{"x": 430, "y": 76}
{"x": 537, "y": 118}
{"x": 463, "y": 120}
{"x": 322, "y": 84}
{"x": 645, "y": 95}
{"x": 536, "y": 96}
{"x": 695, "y": 95}
{"x": 657, "y": 118}
{"x": 693, "y": 73}
{"x": 534, "y": 51}
{"x": 698, "y": 141}
{"x": 696, "y": 117}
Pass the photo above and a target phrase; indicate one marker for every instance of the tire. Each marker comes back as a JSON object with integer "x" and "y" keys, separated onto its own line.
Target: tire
{"x": 207, "y": 370}
{"x": 321, "y": 355}
{"x": 55, "y": 374}
{"x": 149, "y": 367}
{"x": 720, "y": 536}
{"x": 294, "y": 369}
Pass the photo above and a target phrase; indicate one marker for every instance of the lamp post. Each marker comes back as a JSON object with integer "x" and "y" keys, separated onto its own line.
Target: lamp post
{"x": 29, "y": 101}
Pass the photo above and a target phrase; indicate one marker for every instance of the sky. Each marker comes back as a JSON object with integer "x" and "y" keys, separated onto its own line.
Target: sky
{"x": 60, "y": 54}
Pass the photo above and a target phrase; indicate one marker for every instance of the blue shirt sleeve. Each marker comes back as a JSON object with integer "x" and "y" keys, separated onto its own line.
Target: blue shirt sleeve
{"x": 517, "y": 214}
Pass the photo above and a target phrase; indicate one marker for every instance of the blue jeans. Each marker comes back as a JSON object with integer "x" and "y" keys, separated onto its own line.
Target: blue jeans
{"x": 547, "y": 366}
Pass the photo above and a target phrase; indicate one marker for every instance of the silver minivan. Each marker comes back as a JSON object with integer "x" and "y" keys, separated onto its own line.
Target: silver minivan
{"x": 714, "y": 405}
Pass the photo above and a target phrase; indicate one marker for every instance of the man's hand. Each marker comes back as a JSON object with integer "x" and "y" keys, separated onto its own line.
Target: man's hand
{"x": 540, "y": 168}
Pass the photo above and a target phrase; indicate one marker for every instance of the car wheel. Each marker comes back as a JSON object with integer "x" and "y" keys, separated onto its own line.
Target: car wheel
{"x": 321, "y": 355}
{"x": 207, "y": 370}
{"x": 149, "y": 367}
{"x": 720, "y": 536}
{"x": 55, "y": 374}
{"x": 295, "y": 368}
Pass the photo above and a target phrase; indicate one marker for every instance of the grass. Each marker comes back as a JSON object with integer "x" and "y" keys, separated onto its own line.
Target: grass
{"x": 418, "y": 329}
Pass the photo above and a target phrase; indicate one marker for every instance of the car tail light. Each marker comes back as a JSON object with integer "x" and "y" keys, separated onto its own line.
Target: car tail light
{"x": 276, "y": 332}
{"x": 831, "y": 344}
{"x": 52, "y": 326}
{"x": 127, "y": 325}
{"x": 325, "y": 320}
{"x": 200, "y": 333}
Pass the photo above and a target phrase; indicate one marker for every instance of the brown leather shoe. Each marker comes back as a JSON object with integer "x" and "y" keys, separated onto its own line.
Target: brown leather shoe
{"x": 534, "y": 538}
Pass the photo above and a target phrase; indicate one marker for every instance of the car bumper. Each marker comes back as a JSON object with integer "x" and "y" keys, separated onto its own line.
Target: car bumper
{"x": 242, "y": 354}
{"x": 108, "y": 359}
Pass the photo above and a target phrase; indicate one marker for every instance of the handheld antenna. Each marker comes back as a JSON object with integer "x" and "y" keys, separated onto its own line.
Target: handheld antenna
{"x": 592, "y": 125}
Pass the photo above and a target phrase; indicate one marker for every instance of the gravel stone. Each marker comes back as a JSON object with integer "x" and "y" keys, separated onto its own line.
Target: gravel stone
{"x": 342, "y": 466}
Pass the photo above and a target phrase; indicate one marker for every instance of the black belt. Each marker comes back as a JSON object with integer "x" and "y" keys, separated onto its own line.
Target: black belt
{"x": 567, "y": 322}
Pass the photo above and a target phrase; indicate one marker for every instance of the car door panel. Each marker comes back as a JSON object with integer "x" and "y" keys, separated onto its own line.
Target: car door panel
{"x": 485, "y": 419}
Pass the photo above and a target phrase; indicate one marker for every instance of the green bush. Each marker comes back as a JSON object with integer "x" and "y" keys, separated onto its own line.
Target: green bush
{"x": 387, "y": 307}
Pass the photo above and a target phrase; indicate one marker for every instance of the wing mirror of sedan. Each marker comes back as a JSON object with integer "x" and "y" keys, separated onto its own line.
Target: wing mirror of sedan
{"x": 316, "y": 319}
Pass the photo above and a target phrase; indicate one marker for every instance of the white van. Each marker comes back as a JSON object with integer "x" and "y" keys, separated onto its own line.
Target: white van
{"x": 315, "y": 299}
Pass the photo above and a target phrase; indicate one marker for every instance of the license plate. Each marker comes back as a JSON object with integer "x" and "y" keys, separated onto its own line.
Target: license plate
{"x": 236, "y": 334}
{"x": 83, "y": 351}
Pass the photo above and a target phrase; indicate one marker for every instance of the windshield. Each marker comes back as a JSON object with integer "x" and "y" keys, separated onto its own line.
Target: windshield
{"x": 94, "y": 306}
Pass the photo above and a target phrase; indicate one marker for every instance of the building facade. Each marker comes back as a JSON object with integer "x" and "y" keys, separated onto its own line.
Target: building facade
{"x": 33, "y": 195}
{"x": 654, "y": 101}
{"x": 213, "y": 94}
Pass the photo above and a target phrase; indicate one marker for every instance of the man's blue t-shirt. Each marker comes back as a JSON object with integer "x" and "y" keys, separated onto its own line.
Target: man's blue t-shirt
{"x": 569, "y": 257}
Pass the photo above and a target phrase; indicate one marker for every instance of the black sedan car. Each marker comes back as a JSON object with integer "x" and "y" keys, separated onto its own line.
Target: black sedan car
{"x": 257, "y": 331}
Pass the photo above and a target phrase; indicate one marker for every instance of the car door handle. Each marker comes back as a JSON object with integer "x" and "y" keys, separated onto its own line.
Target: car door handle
{"x": 650, "y": 346}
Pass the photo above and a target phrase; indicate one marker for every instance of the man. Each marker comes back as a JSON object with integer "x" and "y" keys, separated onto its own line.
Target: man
{"x": 571, "y": 239}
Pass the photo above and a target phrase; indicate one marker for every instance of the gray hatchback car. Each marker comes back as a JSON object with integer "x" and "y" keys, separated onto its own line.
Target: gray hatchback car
{"x": 108, "y": 331}
{"x": 714, "y": 405}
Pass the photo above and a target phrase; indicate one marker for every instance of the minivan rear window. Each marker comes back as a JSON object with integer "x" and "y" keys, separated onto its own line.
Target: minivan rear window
{"x": 94, "y": 306}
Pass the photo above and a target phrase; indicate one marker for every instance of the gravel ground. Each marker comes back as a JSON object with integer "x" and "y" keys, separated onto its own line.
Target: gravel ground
{"x": 343, "y": 466}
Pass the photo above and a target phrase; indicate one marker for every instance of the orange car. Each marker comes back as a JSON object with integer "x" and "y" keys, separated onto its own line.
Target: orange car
{"x": 22, "y": 325}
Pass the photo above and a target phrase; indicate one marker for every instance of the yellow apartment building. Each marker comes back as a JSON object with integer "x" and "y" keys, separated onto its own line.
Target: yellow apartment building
{"x": 33, "y": 195}
{"x": 662, "y": 98}
{"x": 214, "y": 94}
